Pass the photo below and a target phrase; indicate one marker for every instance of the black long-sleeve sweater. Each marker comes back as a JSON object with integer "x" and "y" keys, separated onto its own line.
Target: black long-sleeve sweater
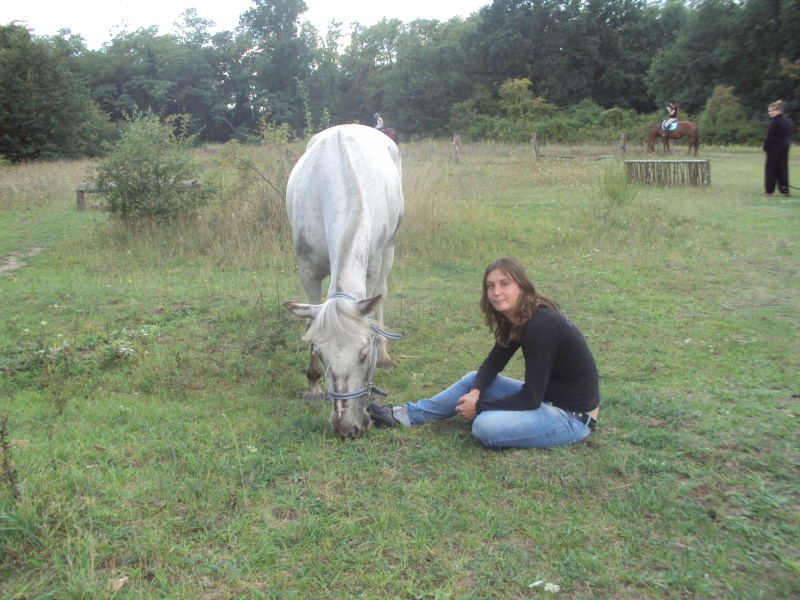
{"x": 559, "y": 367}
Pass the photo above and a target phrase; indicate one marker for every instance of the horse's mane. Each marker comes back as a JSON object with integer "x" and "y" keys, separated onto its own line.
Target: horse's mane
{"x": 338, "y": 319}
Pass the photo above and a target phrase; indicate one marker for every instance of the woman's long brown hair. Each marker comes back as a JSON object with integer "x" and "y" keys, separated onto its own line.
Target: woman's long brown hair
{"x": 504, "y": 330}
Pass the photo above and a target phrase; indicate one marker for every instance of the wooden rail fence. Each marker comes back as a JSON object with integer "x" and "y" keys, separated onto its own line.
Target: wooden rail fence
{"x": 90, "y": 188}
{"x": 670, "y": 172}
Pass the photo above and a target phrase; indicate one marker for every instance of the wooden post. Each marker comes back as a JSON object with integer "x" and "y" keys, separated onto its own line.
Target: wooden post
{"x": 81, "y": 199}
{"x": 457, "y": 146}
{"x": 535, "y": 144}
{"x": 622, "y": 145}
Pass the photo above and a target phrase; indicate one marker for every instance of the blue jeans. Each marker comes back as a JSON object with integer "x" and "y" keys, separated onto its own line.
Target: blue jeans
{"x": 543, "y": 427}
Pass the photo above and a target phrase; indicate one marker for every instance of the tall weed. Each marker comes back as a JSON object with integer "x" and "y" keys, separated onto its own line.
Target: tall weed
{"x": 618, "y": 191}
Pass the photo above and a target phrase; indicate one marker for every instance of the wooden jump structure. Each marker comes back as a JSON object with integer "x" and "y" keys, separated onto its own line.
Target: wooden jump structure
{"x": 670, "y": 172}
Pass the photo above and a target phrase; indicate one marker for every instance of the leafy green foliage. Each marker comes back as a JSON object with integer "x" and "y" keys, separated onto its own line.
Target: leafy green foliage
{"x": 46, "y": 110}
{"x": 150, "y": 174}
{"x": 724, "y": 121}
{"x": 517, "y": 115}
{"x": 427, "y": 78}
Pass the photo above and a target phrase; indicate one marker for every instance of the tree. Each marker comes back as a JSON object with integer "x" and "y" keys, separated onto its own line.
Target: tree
{"x": 276, "y": 54}
{"x": 145, "y": 71}
{"x": 727, "y": 42}
{"x": 429, "y": 77}
{"x": 367, "y": 62}
{"x": 324, "y": 82}
{"x": 625, "y": 34}
{"x": 45, "y": 107}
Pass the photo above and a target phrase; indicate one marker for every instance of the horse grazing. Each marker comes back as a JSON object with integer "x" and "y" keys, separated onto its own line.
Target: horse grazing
{"x": 345, "y": 205}
{"x": 392, "y": 134}
{"x": 683, "y": 129}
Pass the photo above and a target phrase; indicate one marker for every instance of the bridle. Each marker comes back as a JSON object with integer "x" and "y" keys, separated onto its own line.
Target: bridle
{"x": 369, "y": 389}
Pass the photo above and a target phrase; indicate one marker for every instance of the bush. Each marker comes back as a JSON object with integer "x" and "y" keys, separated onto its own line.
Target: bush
{"x": 517, "y": 114}
{"x": 723, "y": 120}
{"x": 150, "y": 174}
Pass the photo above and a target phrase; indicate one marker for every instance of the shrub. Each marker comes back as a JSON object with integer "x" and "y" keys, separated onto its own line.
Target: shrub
{"x": 723, "y": 120}
{"x": 150, "y": 173}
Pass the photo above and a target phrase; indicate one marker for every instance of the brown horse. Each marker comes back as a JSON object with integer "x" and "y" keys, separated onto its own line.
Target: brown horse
{"x": 684, "y": 129}
{"x": 392, "y": 134}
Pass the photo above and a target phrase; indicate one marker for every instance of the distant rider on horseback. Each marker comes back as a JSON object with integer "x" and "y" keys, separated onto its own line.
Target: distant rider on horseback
{"x": 672, "y": 109}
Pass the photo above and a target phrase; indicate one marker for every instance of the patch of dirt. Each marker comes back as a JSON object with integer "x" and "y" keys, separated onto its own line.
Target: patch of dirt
{"x": 15, "y": 260}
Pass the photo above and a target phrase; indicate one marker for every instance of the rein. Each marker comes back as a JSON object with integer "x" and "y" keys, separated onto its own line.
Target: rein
{"x": 369, "y": 389}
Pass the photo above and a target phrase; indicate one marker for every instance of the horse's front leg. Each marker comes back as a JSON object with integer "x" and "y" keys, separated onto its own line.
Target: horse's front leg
{"x": 382, "y": 288}
{"x": 311, "y": 277}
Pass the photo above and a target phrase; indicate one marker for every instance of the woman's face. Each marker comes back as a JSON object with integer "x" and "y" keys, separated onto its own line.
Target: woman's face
{"x": 503, "y": 292}
{"x": 772, "y": 111}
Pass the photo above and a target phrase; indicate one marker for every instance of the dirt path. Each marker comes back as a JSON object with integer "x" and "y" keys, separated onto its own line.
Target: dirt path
{"x": 15, "y": 261}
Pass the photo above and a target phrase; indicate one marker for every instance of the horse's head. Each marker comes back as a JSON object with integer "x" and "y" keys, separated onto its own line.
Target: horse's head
{"x": 650, "y": 144}
{"x": 342, "y": 338}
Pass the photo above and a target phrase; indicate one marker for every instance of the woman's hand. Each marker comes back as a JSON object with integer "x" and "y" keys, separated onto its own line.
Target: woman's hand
{"x": 466, "y": 405}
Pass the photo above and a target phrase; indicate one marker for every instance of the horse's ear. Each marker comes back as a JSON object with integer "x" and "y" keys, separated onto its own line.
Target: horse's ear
{"x": 367, "y": 306}
{"x": 304, "y": 311}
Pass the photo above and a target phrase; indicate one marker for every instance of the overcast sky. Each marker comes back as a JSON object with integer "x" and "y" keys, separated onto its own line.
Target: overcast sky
{"x": 98, "y": 22}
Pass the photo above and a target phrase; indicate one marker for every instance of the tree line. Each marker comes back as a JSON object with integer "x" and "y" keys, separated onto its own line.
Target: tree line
{"x": 513, "y": 62}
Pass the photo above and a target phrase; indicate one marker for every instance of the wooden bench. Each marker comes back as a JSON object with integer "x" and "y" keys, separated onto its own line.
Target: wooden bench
{"x": 89, "y": 188}
{"x": 81, "y": 191}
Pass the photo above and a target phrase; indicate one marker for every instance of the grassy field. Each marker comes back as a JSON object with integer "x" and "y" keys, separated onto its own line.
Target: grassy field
{"x": 154, "y": 444}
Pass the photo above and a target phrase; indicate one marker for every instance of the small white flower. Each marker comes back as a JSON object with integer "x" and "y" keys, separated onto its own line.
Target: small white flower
{"x": 43, "y": 323}
{"x": 552, "y": 587}
{"x": 536, "y": 584}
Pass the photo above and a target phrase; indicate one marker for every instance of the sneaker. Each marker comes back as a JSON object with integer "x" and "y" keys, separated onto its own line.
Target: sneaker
{"x": 382, "y": 416}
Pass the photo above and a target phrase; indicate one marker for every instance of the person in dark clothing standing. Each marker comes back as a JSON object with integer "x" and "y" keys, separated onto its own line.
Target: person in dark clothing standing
{"x": 776, "y": 145}
{"x": 558, "y": 401}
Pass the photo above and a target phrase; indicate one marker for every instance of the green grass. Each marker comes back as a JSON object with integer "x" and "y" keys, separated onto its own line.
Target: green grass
{"x": 151, "y": 382}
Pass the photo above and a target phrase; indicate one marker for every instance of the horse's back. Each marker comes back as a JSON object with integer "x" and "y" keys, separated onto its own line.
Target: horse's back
{"x": 391, "y": 134}
{"x": 340, "y": 158}
{"x": 344, "y": 198}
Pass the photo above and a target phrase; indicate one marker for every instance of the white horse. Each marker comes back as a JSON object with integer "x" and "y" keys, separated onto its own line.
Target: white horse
{"x": 345, "y": 204}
